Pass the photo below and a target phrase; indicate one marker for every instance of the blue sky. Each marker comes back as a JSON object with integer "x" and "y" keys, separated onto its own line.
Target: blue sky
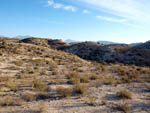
{"x": 123, "y": 21}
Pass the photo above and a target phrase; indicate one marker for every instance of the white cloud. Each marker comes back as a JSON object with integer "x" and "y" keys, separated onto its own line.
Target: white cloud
{"x": 86, "y": 11}
{"x": 59, "y": 5}
{"x": 110, "y": 19}
{"x": 135, "y": 10}
{"x": 72, "y": 8}
{"x": 50, "y": 2}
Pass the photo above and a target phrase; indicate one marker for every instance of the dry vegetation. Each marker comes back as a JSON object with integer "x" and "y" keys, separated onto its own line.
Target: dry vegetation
{"x": 36, "y": 78}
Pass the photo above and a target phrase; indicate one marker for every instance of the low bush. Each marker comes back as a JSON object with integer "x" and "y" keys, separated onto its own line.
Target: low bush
{"x": 64, "y": 92}
{"x": 80, "y": 89}
{"x": 39, "y": 86}
{"x": 125, "y": 107}
{"x": 74, "y": 81}
{"x": 124, "y": 94}
{"x": 10, "y": 101}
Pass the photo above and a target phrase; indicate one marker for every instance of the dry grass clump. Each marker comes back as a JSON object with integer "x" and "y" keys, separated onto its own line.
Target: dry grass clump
{"x": 104, "y": 101}
{"x": 91, "y": 100}
{"x": 80, "y": 89}
{"x": 72, "y": 75}
{"x": 18, "y": 63}
{"x": 94, "y": 77}
{"x": 128, "y": 73}
{"x": 29, "y": 96}
{"x": 59, "y": 81}
{"x": 39, "y": 85}
{"x": 29, "y": 70}
{"x": 74, "y": 81}
{"x": 23, "y": 76}
{"x": 127, "y": 79}
{"x": 124, "y": 94}
{"x": 42, "y": 107}
{"x": 12, "y": 85}
{"x": 104, "y": 69}
{"x": 4, "y": 78}
{"x": 64, "y": 92}
{"x": 42, "y": 96}
{"x": 125, "y": 107}
{"x": 110, "y": 80}
{"x": 13, "y": 68}
{"x": 84, "y": 78}
{"x": 10, "y": 101}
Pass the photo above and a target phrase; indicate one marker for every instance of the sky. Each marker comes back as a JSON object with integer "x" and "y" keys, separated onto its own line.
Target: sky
{"x": 125, "y": 21}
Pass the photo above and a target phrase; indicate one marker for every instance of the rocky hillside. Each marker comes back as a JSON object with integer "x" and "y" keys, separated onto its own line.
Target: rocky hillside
{"x": 110, "y": 53}
{"x": 145, "y": 45}
{"x": 88, "y": 50}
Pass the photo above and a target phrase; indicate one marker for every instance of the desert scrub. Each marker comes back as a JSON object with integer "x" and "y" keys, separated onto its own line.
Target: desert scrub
{"x": 39, "y": 85}
{"x": 91, "y": 100}
{"x": 10, "y": 101}
{"x": 4, "y": 78}
{"x": 124, "y": 94}
{"x": 74, "y": 81}
{"x": 84, "y": 78}
{"x": 28, "y": 96}
{"x": 125, "y": 107}
{"x": 13, "y": 68}
{"x": 110, "y": 80}
{"x": 64, "y": 92}
{"x": 29, "y": 70}
{"x": 127, "y": 79}
{"x": 59, "y": 81}
{"x": 42, "y": 107}
{"x": 80, "y": 89}
{"x": 18, "y": 63}
{"x": 72, "y": 75}
{"x": 12, "y": 85}
{"x": 94, "y": 77}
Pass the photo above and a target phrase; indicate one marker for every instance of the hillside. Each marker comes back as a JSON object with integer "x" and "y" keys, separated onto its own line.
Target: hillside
{"x": 145, "y": 45}
{"x": 117, "y": 53}
{"x": 35, "y": 77}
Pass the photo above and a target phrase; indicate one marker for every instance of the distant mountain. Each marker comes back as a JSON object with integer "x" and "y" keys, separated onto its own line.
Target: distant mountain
{"x": 107, "y": 42}
{"x": 136, "y": 44}
{"x": 2, "y": 36}
{"x": 99, "y": 42}
{"x": 22, "y": 37}
{"x": 71, "y": 41}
